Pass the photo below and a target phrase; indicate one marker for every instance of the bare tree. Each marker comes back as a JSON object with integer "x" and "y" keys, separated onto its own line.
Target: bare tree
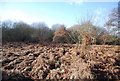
{"x": 112, "y": 25}
{"x": 55, "y": 27}
{"x": 78, "y": 32}
{"x": 6, "y": 30}
{"x": 41, "y": 32}
{"x": 74, "y": 35}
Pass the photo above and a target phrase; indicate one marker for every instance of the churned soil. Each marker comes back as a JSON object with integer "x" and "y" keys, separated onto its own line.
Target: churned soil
{"x": 34, "y": 62}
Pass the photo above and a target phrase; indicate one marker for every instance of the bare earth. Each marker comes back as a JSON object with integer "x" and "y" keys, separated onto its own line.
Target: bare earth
{"x": 34, "y": 62}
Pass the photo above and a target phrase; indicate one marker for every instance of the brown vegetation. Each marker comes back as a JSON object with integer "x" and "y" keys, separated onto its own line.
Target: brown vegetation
{"x": 27, "y": 61}
{"x": 35, "y": 52}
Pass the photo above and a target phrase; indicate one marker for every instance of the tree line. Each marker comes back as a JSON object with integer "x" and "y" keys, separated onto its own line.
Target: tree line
{"x": 40, "y": 32}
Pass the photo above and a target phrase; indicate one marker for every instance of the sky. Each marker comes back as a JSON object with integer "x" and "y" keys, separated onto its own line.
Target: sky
{"x": 67, "y": 13}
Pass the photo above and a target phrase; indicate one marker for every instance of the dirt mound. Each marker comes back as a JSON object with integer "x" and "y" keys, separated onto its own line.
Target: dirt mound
{"x": 58, "y": 61}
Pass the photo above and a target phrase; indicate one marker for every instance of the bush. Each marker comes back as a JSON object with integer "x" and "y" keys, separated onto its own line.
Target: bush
{"x": 20, "y": 31}
{"x": 60, "y": 39}
{"x": 61, "y": 35}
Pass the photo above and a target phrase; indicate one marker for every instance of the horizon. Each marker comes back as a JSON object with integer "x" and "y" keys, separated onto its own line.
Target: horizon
{"x": 56, "y": 12}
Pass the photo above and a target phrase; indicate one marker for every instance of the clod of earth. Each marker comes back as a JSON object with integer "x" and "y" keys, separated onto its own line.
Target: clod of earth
{"x": 27, "y": 61}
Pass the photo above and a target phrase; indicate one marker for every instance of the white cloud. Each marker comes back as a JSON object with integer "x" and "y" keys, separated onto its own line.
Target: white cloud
{"x": 100, "y": 15}
{"x": 18, "y": 15}
{"x": 100, "y": 11}
{"x": 79, "y": 2}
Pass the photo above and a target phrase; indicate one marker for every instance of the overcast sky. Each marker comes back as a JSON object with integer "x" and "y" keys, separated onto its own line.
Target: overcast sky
{"x": 55, "y": 12}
